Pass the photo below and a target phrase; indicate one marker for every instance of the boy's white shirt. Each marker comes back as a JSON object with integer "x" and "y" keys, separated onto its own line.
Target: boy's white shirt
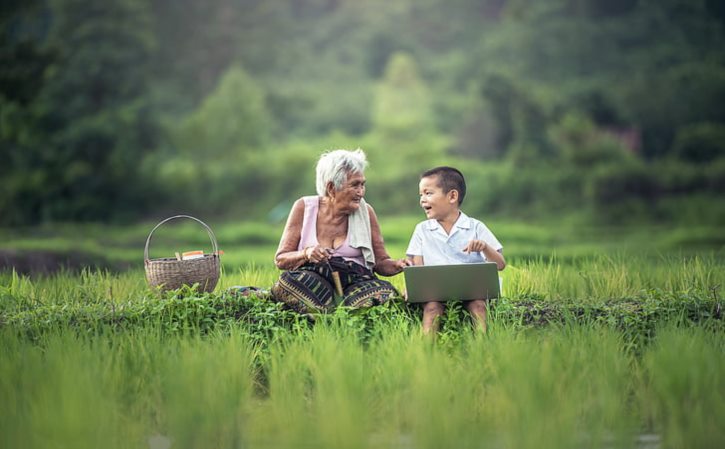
{"x": 438, "y": 248}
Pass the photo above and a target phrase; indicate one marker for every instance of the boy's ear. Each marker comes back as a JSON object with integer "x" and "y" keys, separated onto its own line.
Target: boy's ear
{"x": 452, "y": 196}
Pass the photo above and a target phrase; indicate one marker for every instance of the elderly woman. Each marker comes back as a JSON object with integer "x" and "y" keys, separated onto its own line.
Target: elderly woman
{"x": 332, "y": 243}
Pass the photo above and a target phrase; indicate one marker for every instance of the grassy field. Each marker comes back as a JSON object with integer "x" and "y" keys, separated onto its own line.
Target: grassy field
{"x": 569, "y": 386}
{"x": 246, "y": 243}
{"x": 608, "y": 340}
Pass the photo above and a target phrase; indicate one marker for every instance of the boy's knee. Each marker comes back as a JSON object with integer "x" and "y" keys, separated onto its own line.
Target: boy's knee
{"x": 433, "y": 308}
{"x": 477, "y": 307}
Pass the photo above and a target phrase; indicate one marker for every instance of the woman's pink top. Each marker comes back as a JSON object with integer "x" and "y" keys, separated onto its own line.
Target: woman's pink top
{"x": 308, "y": 236}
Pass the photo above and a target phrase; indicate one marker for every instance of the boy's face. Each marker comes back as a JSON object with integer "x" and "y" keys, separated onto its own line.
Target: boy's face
{"x": 435, "y": 203}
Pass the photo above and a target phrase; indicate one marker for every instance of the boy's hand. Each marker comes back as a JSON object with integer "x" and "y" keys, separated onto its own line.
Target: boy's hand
{"x": 476, "y": 246}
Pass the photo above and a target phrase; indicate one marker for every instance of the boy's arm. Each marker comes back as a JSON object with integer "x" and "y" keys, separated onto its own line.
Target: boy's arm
{"x": 494, "y": 256}
{"x": 416, "y": 260}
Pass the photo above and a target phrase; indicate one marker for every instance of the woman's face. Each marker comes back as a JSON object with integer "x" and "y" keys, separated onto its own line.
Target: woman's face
{"x": 352, "y": 191}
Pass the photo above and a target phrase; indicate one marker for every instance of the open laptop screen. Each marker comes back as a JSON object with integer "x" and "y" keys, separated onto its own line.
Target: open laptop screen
{"x": 460, "y": 282}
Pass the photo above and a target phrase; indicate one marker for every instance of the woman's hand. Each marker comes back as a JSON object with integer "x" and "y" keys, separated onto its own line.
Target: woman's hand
{"x": 317, "y": 254}
{"x": 391, "y": 267}
{"x": 399, "y": 264}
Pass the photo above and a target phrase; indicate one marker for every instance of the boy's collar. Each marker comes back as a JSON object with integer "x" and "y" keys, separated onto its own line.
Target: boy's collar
{"x": 463, "y": 222}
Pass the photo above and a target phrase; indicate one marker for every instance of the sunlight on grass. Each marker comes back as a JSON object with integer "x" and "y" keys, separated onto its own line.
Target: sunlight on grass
{"x": 96, "y": 359}
{"x": 560, "y": 387}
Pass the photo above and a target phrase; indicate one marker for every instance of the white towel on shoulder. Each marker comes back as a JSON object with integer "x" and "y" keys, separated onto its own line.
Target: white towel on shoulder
{"x": 360, "y": 233}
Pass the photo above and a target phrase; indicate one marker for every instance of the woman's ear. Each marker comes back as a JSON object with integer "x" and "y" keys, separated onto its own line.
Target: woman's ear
{"x": 330, "y": 189}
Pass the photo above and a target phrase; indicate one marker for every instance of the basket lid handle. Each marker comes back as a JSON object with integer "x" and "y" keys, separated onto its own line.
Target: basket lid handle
{"x": 208, "y": 230}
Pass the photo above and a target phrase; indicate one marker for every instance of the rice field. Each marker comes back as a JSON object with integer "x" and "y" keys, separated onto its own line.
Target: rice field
{"x": 556, "y": 387}
{"x": 624, "y": 350}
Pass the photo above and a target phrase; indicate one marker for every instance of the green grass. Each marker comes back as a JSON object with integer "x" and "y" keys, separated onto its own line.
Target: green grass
{"x": 622, "y": 276}
{"x": 244, "y": 243}
{"x": 569, "y": 386}
{"x": 607, "y": 341}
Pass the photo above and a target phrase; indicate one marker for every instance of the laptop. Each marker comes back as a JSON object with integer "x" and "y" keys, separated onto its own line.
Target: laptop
{"x": 461, "y": 282}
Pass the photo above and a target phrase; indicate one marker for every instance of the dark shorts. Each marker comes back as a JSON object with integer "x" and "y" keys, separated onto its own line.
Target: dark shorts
{"x": 310, "y": 288}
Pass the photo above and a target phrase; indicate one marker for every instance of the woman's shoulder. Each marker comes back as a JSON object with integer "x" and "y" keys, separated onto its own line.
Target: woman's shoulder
{"x": 304, "y": 202}
{"x": 299, "y": 205}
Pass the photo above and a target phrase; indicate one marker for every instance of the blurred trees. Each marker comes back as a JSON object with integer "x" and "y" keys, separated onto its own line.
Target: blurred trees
{"x": 231, "y": 121}
{"x": 402, "y": 101}
{"x": 133, "y": 106}
{"x": 214, "y": 153}
{"x": 89, "y": 123}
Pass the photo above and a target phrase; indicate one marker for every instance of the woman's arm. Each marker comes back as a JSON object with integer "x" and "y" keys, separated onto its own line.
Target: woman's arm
{"x": 288, "y": 257}
{"x": 384, "y": 265}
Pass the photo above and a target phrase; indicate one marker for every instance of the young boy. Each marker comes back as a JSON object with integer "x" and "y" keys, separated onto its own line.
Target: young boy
{"x": 450, "y": 237}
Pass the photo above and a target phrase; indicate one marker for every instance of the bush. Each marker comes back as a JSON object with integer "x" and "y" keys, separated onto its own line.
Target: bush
{"x": 521, "y": 191}
{"x": 679, "y": 178}
{"x": 233, "y": 116}
{"x": 582, "y": 144}
{"x": 622, "y": 191}
{"x": 700, "y": 142}
{"x": 715, "y": 176}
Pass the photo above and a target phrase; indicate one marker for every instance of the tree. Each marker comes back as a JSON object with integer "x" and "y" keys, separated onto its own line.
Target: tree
{"x": 92, "y": 115}
{"x": 402, "y": 102}
{"x": 233, "y": 119}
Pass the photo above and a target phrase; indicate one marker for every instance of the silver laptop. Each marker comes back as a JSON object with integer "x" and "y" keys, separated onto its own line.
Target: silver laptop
{"x": 460, "y": 282}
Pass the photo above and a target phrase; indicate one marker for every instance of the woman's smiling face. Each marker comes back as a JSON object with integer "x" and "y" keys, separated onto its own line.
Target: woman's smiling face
{"x": 435, "y": 203}
{"x": 352, "y": 191}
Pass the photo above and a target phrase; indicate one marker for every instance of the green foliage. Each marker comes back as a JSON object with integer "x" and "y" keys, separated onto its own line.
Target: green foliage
{"x": 89, "y": 116}
{"x": 230, "y": 123}
{"x": 630, "y": 294}
{"x": 529, "y": 388}
{"x": 415, "y": 83}
{"x": 218, "y": 151}
{"x": 695, "y": 368}
{"x": 700, "y": 143}
{"x": 671, "y": 191}
{"x": 402, "y": 101}
{"x": 620, "y": 191}
{"x": 521, "y": 115}
{"x": 664, "y": 101}
{"x": 621, "y": 347}
{"x": 581, "y": 144}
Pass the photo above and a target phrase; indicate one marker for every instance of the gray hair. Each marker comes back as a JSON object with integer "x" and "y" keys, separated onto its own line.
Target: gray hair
{"x": 334, "y": 166}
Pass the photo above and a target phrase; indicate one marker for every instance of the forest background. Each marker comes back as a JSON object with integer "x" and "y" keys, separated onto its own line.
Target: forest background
{"x": 607, "y": 111}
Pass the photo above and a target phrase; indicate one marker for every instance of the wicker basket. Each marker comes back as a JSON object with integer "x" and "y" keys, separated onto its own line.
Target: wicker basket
{"x": 170, "y": 273}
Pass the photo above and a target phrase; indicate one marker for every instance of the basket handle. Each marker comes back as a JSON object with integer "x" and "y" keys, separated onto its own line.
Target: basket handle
{"x": 208, "y": 230}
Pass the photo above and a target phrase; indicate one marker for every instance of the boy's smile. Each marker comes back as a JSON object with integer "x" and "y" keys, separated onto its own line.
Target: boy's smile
{"x": 435, "y": 203}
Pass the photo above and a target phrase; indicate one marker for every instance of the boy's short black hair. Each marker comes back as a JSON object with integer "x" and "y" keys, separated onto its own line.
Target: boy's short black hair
{"x": 449, "y": 178}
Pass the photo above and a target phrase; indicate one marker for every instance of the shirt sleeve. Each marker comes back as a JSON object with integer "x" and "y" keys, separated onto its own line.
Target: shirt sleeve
{"x": 485, "y": 234}
{"x": 415, "y": 247}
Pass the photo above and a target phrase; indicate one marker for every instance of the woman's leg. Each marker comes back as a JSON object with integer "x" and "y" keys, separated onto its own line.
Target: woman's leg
{"x": 367, "y": 293}
{"x": 304, "y": 291}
